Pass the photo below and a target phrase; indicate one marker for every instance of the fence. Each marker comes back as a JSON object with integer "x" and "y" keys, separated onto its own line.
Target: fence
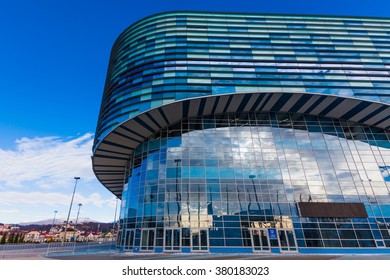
{"x": 29, "y": 250}
{"x": 66, "y": 247}
{"x": 22, "y": 250}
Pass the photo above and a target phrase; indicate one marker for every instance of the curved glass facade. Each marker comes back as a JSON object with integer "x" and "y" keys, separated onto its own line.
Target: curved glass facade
{"x": 237, "y": 177}
{"x": 229, "y": 132}
{"x": 180, "y": 55}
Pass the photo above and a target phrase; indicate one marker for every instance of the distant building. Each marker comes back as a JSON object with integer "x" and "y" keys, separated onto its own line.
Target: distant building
{"x": 90, "y": 236}
{"x": 71, "y": 235}
{"x": 54, "y": 229}
{"x": 33, "y": 236}
{"x": 232, "y": 132}
{"x": 4, "y": 228}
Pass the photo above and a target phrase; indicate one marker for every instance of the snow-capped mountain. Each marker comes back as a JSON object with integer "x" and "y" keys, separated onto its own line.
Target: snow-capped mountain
{"x": 59, "y": 221}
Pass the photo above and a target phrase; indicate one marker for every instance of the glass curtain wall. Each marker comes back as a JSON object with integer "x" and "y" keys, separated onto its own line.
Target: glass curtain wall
{"x": 234, "y": 181}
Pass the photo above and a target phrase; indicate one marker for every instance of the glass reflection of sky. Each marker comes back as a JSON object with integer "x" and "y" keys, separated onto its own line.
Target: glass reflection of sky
{"x": 242, "y": 169}
{"x": 238, "y": 174}
{"x": 313, "y": 163}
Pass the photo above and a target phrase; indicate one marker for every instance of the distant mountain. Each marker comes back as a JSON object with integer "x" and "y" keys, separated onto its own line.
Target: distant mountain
{"x": 59, "y": 221}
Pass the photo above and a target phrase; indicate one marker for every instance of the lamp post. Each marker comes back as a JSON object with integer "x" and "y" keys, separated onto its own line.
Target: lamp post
{"x": 54, "y": 218}
{"x": 113, "y": 224}
{"x": 77, "y": 218}
{"x": 70, "y": 209}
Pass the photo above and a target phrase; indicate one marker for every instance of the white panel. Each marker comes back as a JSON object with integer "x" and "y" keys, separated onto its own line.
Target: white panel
{"x": 157, "y": 117}
{"x": 194, "y": 107}
{"x": 378, "y": 117}
{"x": 251, "y": 102}
{"x": 371, "y": 108}
{"x": 275, "y": 97}
{"x": 262, "y": 101}
{"x": 291, "y": 102}
{"x": 127, "y": 133}
{"x": 108, "y": 161}
{"x": 104, "y": 146}
{"x": 222, "y": 103}
{"x": 208, "y": 107}
{"x": 109, "y": 168}
{"x": 115, "y": 138}
{"x": 307, "y": 105}
{"x": 342, "y": 108}
{"x": 322, "y": 106}
{"x": 384, "y": 124}
{"x": 149, "y": 122}
{"x": 133, "y": 125}
{"x": 118, "y": 177}
{"x": 235, "y": 102}
{"x": 173, "y": 112}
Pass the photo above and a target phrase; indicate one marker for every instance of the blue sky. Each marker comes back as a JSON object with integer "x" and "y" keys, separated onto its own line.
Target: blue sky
{"x": 53, "y": 62}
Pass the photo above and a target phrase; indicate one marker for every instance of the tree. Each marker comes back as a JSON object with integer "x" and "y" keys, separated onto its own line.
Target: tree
{"x": 16, "y": 238}
{"x": 11, "y": 238}
{"x": 21, "y": 238}
{"x": 3, "y": 238}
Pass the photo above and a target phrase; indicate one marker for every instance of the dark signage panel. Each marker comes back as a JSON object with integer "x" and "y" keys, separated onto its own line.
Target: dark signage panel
{"x": 332, "y": 210}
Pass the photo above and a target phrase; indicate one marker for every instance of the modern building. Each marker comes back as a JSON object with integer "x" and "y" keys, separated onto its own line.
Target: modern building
{"x": 232, "y": 132}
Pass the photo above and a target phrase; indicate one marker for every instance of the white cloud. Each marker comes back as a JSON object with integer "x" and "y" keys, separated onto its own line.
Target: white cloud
{"x": 48, "y": 163}
{"x": 53, "y": 199}
{"x": 9, "y": 211}
{"x": 37, "y": 177}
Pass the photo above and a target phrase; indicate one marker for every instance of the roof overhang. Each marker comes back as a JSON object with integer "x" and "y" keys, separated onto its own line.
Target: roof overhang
{"x": 112, "y": 153}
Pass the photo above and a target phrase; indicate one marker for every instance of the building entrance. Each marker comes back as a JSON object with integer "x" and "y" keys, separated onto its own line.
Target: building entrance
{"x": 260, "y": 241}
{"x": 199, "y": 240}
{"x": 129, "y": 239}
{"x": 287, "y": 241}
{"x": 172, "y": 240}
{"x": 148, "y": 237}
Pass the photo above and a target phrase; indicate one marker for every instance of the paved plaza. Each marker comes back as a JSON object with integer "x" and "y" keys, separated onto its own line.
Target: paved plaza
{"x": 151, "y": 256}
{"x": 107, "y": 251}
{"x": 125, "y": 256}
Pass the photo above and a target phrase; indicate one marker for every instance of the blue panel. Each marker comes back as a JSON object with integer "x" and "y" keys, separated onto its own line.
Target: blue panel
{"x": 275, "y": 250}
{"x": 344, "y": 251}
{"x": 185, "y": 250}
{"x": 230, "y": 250}
{"x": 158, "y": 250}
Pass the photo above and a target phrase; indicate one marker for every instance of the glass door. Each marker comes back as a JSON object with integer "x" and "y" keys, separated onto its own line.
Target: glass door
{"x": 199, "y": 240}
{"x": 129, "y": 239}
{"x": 148, "y": 237}
{"x": 260, "y": 241}
{"x": 172, "y": 240}
{"x": 287, "y": 242}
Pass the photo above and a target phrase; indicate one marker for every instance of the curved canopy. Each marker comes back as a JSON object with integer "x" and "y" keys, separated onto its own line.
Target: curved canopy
{"x": 111, "y": 155}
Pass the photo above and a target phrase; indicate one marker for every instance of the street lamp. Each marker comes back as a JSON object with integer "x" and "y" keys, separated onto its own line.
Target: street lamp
{"x": 77, "y": 218}
{"x": 70, "y": 209}
{"x": 113, "y": 224}
{"x": 54, "y": 218}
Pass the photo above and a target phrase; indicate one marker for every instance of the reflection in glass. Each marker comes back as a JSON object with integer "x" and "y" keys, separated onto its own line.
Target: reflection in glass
{"x": 231, "y": 177}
